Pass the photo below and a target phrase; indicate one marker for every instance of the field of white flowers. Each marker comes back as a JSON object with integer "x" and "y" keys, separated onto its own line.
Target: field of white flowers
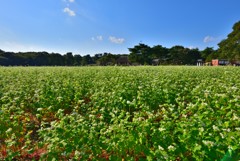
{"x": 119, "y": 113}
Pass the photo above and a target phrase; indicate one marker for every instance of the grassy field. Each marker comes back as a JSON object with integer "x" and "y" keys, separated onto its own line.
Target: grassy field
{"x": 119, "y": 113}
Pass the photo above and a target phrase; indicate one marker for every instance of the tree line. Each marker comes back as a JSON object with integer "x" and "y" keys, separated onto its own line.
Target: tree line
{"x": 140, "y": 54}
{"x": 55, "y": 59}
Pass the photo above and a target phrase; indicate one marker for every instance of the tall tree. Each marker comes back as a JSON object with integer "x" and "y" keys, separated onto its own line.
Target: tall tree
{"x": 69, "y": 60}
{"x": 86, "y": 60}
{"x": 206, "y": 52}
{"x": 192, "y": 56}
{"x": 160, "y": 52}
{"x": 140, "y": 54}
{"x": 230, "y": 48}
{"x": 107, "y": 59}
{"x": 77, "y": 60}
{"x": 177, "y": 54}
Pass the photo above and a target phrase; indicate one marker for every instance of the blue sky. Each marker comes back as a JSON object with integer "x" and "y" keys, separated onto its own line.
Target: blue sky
{"x": 97, "y": 26}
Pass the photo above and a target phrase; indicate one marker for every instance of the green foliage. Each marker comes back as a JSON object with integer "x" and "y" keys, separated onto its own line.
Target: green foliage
{"x": 119, "y": 113}
{"x": 140, "y": 54}
{"x": 177, "y": 55}
{"x": 230, "y": 47}
{"x": 208, "y": 54}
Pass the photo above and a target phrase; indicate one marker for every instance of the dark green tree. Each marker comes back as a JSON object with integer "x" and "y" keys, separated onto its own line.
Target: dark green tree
{"x": 161, "y": 53}
{"x": 54, "y": 59}
{"x": 77, "y": 60}
{"x": 177, "y": 54}
{"x": 207, "y": 53}
{"x": 230, "y": 48}
{"x": 192, "y": 56}
{"x": 96, "y": 57}
{"x": 107, "y": 59}
{"x": 87, "y": 60}
{"x": 140, "y": 54}
{"x": 69, "y": 60}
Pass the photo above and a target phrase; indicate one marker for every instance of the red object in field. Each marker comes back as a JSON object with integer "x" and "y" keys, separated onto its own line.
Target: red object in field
{"x": 222, "y": 62}
{"x": 215, "y": 62}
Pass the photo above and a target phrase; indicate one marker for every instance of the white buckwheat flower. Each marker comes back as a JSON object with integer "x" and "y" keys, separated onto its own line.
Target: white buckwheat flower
{"x": 171, "y": 148}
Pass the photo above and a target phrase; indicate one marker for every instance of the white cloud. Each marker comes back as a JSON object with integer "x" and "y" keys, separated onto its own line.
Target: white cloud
{"x": 116, "y": 40}
{"x": 209, "y": 39}
{"x": 69, "y": 11}
{"x": 99, "y": 38}
{"x": 71, "y": 1}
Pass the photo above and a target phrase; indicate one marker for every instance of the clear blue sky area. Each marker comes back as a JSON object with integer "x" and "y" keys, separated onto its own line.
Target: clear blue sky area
{"x": 97, "y": 26}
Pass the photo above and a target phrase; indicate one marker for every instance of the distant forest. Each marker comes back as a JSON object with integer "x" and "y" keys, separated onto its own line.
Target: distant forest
{"x": 140, "y": 54}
